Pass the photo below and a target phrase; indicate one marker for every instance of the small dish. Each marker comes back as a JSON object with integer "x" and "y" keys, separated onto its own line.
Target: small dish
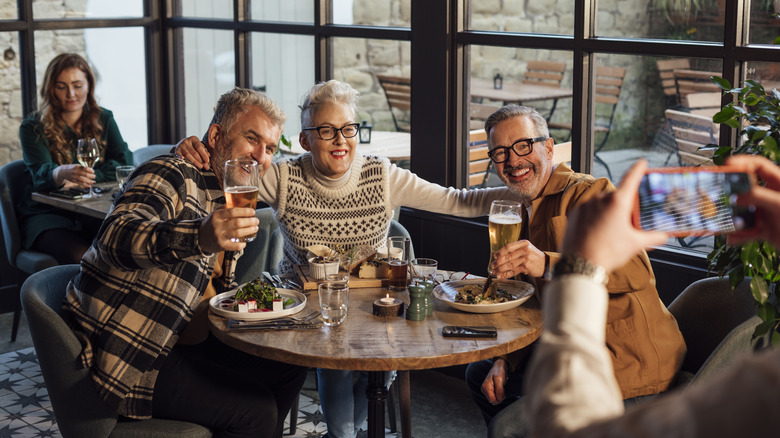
{"x": 319, "y": 271}
{"x": 300, "y": 303}
{"x": 521, "y": 290}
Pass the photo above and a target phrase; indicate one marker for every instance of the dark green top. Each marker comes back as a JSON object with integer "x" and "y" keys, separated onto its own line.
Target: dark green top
{"x": 35, "y": 217}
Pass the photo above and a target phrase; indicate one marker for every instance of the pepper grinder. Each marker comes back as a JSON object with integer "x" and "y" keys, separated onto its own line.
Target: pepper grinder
{"x": 416, "y": 310}
{"x": 427, "y": 296}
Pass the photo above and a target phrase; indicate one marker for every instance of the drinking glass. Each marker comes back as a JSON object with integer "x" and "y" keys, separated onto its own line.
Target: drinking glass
{"x": 241, "y": 184}
{"x": 122, "y": 172}
{"x": 398, "y": 259}
{"x": 503, "y": 226}
{"x": 423, "y": 269}
{"x": 88, "y": 155}
{"x": 334, "y": 301}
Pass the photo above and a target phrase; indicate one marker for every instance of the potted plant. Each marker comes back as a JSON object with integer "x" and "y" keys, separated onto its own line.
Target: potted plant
{"x": 759, "y": 261}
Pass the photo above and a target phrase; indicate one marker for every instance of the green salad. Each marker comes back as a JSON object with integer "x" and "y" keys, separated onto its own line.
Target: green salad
{"x": 262, "y": 292}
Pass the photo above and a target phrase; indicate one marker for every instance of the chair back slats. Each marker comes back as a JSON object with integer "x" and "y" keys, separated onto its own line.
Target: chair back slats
{"x": 398, "y": 92}
{"x": 691, "y": 132}
{"x": 544, "y": 73}
{"x": 479, "y": 162}
{"x": 666, "y": 69}
{"x": 562, "y": 153}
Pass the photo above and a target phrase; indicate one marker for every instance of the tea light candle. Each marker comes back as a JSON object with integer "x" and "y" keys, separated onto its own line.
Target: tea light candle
{"x": 388, "y": 306}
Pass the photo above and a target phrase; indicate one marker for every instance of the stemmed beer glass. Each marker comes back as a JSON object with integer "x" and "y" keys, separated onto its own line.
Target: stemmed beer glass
{"x": 504, "y": 225}
{"x": 88, "y": 155}
{"x": 241, "y": 183}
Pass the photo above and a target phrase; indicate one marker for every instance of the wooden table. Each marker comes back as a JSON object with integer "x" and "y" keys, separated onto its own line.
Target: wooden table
{"x": 516, "y": 92}
{"x": 96, "y": 207}
{"x": 376, "y": 344}
{"x": 394, "y": 145}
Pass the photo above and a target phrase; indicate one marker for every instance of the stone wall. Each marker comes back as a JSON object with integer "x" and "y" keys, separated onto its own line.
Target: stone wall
{"x": 48, "y": 44}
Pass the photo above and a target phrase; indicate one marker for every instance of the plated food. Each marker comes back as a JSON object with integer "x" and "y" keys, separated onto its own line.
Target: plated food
{"x": 517, "y": 292}
{"x": 474, "y": 294}
{"x": 257, "y": 300}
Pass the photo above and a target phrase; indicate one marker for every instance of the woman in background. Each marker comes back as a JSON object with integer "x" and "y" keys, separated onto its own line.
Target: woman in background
{"x": 49, "y": 137}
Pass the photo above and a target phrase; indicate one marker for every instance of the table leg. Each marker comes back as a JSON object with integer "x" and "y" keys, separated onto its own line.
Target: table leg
{"x": 376, "y": 393}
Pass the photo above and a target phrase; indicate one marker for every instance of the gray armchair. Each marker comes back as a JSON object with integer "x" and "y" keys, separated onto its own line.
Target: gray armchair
{"x": 717, "y": 325}
{"x": 77, "y": 407}
{"x": 13, "y": 179}
{"x": 147, "y": 152}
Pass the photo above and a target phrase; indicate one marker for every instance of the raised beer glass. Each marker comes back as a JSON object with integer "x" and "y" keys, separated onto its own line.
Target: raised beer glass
{"x": 503, "y": 226}
{"x": 241, "y": 184}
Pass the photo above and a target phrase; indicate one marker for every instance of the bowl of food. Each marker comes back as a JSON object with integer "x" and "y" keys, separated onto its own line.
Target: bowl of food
{"x": 467, "y": 295}
{"x": 321, "y": 267}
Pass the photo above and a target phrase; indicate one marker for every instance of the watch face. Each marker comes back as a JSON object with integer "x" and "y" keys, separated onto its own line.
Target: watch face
{"x": 575, "y": 265}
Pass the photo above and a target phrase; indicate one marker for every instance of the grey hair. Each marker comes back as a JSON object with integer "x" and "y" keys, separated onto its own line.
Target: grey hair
{"x": 236, "y": 102}
{"x": 332, "y": 91}
{"x": 511, "y": 111}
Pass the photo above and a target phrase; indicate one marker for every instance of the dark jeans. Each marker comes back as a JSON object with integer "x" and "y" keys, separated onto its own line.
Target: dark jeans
{"x": 233, "y": 393}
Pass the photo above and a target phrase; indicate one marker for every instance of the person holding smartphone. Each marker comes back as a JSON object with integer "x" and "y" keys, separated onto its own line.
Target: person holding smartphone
{"x": 571, "y": 384}
{"x": 49, "y": 136}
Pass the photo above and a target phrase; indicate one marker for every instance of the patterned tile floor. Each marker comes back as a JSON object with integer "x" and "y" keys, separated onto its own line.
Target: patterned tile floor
{"x": 25, "y": 409}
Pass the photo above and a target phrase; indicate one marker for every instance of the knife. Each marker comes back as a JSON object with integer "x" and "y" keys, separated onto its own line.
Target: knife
{"x": 270, "y": 279}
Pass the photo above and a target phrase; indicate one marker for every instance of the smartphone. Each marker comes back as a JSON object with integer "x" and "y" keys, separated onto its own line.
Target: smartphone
{"x": 72, "y": 193}
{"x": 454, "y": 331}
{"x": 694, "y": 201}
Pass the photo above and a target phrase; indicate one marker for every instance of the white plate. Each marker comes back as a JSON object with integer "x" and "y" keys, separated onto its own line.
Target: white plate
{"x": 300, "y": 303}
{"x": 521, "y": 290}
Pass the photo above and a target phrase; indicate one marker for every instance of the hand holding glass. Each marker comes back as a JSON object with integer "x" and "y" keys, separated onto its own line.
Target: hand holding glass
{"x": 241, "y": 184}
{"x": 88, "y": 155}
{"x": 504, "y": 226}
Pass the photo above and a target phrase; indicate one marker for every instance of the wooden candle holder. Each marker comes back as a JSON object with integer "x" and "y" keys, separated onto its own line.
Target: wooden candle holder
{"x": 383, "y": 309}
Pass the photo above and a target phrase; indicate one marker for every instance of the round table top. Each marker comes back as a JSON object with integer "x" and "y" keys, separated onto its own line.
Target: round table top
{"x": 366, "y": 342}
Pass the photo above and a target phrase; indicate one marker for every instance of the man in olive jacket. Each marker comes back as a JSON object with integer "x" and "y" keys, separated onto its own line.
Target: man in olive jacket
{"x": 646, "y": 345}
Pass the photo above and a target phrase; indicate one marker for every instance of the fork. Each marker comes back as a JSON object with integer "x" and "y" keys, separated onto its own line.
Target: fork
{"x": 285, "y": 320}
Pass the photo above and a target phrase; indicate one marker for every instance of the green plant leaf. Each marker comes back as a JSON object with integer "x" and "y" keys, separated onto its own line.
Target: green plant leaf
{"x": 766, "y": 312}
{"x": 722, "y": 83}
{"x": 759, "y": 289}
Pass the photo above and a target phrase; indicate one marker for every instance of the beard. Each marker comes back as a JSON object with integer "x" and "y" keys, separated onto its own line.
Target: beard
{"x": 219, "y": 157}
{"x": 527, "y": 189}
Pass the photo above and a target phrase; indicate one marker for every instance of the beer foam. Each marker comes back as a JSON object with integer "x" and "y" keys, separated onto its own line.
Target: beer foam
{"x": 507, "y": 219}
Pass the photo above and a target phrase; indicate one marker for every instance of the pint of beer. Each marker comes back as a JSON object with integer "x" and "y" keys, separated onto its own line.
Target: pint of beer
{"x": 241, "y": 183}
{"x": 503, "y": 226}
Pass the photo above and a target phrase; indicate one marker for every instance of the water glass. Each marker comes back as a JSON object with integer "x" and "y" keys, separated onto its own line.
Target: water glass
{"x": 122, "y": 172}
{"x": 424, "y": 269}
{"x": 334, "y": 301}
{"x": 398, "y": 258}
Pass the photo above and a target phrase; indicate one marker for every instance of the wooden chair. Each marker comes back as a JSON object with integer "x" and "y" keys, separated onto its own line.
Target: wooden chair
{"x": 398, "y": 91}
{"x": 691, "y": 132}
{"x": 666, "y": 69}
{"x": 478, "y": 113}
{"x": 609, "y": 83}
{"x": 704, "y": 104}
{"x": 479, "y": 161}
{"x": 546, "y": 74}
{"x": 694, "y": 81}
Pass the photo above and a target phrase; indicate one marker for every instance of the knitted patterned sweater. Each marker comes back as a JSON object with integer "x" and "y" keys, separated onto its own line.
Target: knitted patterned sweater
{"x": 356, "y": 208}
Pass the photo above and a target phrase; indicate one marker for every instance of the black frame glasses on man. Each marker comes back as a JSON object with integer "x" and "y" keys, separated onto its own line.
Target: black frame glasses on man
{"x": 521, "y": 148}
{"x": 329, "y": 132}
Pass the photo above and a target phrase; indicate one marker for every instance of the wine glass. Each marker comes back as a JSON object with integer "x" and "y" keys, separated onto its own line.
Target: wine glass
{"x": 88, "y": 155}
{"x": 241, "y": 183}
{"x": 504, "y": 225}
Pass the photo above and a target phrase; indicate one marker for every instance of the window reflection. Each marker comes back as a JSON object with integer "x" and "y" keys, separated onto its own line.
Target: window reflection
{"x": 209, "y": 71}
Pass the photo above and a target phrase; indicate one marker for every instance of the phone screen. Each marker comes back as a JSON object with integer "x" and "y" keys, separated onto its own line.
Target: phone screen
{"x": 696, "y": 202}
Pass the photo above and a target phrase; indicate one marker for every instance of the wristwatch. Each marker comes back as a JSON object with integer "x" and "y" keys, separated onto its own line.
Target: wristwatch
{"x": 576, "y": 264}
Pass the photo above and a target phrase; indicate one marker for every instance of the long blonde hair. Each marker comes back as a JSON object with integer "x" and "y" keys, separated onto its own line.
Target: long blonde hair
{"x": 51, "y": 114}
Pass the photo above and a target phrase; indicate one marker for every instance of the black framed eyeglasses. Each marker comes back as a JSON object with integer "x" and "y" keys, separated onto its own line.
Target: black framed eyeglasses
{"x": 329, "y": 132}
{"x": 521, "y": 148}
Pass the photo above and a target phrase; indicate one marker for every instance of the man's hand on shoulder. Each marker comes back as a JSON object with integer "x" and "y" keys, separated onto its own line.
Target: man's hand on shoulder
{"x": 192, "y": 150}
{"x": 224, "y": 224}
